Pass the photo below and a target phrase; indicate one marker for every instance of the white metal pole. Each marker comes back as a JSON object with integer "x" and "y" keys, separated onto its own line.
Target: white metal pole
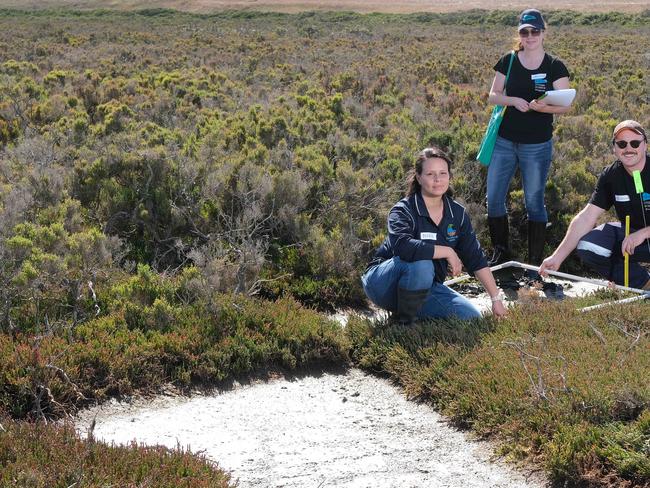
{"x": 517, "y": 264}
{"x": 616, "y": 302}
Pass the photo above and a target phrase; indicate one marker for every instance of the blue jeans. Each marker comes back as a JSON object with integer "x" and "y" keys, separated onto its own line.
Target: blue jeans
{"x": 534, "y": 161}
{"x": 600, "y": 249}
{"x": 381, "y": 282}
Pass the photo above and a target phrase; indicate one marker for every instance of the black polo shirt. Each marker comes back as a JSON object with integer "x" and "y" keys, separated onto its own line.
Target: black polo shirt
{"x": 615, "y": 186}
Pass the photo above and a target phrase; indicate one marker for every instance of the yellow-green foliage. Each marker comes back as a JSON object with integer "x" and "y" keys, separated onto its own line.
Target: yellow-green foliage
{"x": 151, "y": 162}
{"x": 146, "y": 120}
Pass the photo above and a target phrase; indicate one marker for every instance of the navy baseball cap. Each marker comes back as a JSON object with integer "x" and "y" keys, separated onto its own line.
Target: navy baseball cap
{"x": 531, "y": 18}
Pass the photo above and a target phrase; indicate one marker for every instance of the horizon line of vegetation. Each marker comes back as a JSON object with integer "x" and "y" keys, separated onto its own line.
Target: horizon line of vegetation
{"x": 472, "y": 17}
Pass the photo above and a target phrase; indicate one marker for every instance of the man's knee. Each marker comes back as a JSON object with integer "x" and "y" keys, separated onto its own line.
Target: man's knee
{"x": 592, "y": 253}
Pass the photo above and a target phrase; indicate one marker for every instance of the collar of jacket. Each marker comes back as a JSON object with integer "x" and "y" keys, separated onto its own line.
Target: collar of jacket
{"x": 421, "y": 207}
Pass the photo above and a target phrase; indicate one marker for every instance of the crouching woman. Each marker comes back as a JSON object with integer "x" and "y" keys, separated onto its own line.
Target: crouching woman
{"x": 428, "y": 232}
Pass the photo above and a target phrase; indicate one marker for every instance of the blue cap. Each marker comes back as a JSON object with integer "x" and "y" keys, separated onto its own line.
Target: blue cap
{"x": 531, "y": 18}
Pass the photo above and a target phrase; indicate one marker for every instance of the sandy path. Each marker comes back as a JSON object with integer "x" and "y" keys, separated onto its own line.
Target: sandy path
{"x": 334, "y": 430}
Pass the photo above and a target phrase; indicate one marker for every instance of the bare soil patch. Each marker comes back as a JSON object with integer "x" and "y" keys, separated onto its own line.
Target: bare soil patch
{"x": 344, "y": 430}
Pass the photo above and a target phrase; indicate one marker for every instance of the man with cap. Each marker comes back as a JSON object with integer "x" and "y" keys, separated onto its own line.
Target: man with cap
{"x": 625, "y": 184}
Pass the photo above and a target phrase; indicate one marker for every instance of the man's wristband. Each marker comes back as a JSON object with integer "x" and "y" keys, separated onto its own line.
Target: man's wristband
{"x": 499, "y": 297}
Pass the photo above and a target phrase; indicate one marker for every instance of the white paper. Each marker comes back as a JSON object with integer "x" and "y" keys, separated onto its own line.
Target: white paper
{"x": 563, "y": 98}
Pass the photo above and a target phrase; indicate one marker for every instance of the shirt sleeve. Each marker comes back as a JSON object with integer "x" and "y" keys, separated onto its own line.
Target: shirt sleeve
{"x": 401, "y": 235}
{"x": 602, "y": 196}
{"x": 469, "y": 249}
{"x": 558, "y": 70}
{"x": 502, "y": 64}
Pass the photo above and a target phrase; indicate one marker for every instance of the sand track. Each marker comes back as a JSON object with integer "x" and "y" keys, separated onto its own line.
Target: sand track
{"x": 323, "y": 430}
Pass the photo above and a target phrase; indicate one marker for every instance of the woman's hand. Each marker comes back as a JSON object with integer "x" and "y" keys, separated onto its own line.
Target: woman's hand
{"x": 499, "y": 309}
{"x": 521, "y": 104}
{"x": 454, "y": 263}
{"x": 538, "y": 106}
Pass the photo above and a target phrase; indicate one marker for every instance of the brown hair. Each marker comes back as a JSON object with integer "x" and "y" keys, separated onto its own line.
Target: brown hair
{"x": 413, "y": 185}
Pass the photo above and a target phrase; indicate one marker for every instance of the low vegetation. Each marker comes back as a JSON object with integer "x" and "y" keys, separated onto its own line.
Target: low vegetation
{"x": 571, "y": 393}
{"x": 179, "y": 193}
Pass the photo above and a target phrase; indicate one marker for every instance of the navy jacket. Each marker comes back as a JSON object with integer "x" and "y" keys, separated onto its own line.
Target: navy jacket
{"x": 413, "y": 236}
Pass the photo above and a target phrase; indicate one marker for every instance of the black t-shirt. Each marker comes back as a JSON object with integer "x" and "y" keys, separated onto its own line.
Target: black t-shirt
{"x": 616, "y": 187}
{"x": 529, "y": 127}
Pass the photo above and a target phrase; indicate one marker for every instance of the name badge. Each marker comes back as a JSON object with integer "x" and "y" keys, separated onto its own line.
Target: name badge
{"x": 622, "y": 198}
{"x": 538, "y": 76}
{"x": 428, "y": 236}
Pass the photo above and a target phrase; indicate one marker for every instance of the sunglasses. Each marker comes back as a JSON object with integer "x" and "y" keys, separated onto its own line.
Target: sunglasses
{"x": 529, "y": 32}
{"x": 623, "y": 144}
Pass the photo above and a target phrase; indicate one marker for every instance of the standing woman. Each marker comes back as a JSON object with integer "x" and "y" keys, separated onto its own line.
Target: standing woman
{"x": 427, "y": 232}
{"x": 525, "y": 135}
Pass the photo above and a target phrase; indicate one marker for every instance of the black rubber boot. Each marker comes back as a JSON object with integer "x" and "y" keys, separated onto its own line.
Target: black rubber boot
{"x": 409, "y": 303}
{"x": 499, "y": 236}
{"x": 536, "y": 241}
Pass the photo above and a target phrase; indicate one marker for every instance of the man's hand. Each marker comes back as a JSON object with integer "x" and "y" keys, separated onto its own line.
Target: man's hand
{"x": 632, "y": 241}
{"x": 551, "y": 263}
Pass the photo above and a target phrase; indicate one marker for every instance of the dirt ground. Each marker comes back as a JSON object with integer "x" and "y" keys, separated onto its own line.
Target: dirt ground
{"x": 343, "y": 429}
{"x": 364, "y": 6}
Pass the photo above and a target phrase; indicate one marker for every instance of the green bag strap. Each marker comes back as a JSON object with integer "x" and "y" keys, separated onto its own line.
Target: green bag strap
{"x": 512, "y": 57}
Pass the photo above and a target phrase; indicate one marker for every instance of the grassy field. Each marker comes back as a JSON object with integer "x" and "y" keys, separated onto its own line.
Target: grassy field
{"x": 180, "y": 194}
{"x": 295, "y": 6}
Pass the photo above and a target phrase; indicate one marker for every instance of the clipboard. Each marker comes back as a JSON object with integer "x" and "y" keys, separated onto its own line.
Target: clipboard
{"x": 562, "y": 98}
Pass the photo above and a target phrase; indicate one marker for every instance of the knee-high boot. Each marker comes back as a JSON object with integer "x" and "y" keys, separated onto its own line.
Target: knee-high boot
{"x": 409, "y": 303}
{"x": 498, "y": 227}
{"x": 536, "y": 242}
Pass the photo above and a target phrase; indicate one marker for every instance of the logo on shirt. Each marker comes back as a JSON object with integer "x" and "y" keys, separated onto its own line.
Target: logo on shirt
{"x": 539, "y": 81}
{"x": 452, "y": 233}
{"x": 645, "y": 196}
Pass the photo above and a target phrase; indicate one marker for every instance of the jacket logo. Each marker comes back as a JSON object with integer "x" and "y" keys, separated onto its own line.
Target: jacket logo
{"x": 452, "y": 233}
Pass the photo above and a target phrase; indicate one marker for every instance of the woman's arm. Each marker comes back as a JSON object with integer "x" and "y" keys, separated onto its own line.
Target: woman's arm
{"x": 497, "y": 96}
{"x": 540, "y": 106}
{"x": 446, "y": 252}
{"x": 486, "y": 278}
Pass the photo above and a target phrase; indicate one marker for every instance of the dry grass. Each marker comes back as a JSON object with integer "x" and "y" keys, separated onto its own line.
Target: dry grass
{"x": 292, "y": 6}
